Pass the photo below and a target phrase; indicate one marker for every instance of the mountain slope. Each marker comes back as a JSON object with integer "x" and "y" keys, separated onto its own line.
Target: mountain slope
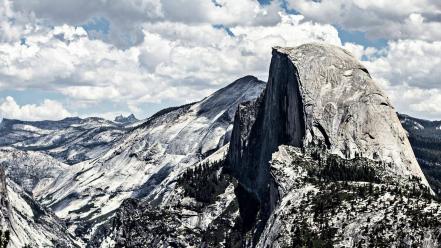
{"x": 70, "y": 140}
{"x": 145, "y": 163}
{"x": 29, "y": 223}
{"x": 347, "y": 203}
{"x": 336, "y": 183}
{"x": 32, "y": 171}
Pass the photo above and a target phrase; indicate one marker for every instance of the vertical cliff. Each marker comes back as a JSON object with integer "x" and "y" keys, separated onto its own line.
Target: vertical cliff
{"x": 261, "y": 126}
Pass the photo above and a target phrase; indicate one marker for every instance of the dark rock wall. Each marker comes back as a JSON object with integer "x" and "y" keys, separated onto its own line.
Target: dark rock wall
{"x": 275, "y": 118}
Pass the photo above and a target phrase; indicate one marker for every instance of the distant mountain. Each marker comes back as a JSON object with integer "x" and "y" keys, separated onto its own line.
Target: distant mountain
{"x": 71, "y": 140}
{"x": 425, "y": 137}
{"x": 126, "y": 120}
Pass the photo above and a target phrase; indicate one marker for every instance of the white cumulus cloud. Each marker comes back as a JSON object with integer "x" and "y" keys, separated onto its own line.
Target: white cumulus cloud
{"x": 47, "y": 110}
{"x": 175, "y": 61}
{"x": 409, "y": 71}
{"x": 405, "y": 19}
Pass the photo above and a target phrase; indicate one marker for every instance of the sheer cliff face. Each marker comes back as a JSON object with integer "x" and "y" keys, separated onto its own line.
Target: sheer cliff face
{"x": 260, "y": 127}
{"x": 317, "y": 96}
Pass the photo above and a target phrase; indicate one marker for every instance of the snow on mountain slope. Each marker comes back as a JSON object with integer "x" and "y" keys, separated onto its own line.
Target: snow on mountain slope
{"x": 29, "y": 223}
{"x": 70, "y": 140}
{"x": 188, "y": 219}
{"x": 33, "y": 171}
{"x": 146, "y": 161}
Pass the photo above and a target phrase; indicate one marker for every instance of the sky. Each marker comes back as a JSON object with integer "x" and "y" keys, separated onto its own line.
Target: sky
{"x": 109, "y": 57}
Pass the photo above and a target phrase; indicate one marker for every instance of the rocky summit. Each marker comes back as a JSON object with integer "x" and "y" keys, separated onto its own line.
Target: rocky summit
{"x": 315, "y": 157}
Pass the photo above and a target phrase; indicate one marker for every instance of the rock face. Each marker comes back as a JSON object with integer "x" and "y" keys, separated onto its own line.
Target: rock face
{"x": 28, "y": 222}
{"x": 346, "y": 110}
{"x": 126, "y": 120}
{"x": 276, "y": 118}
{"x": 317, "y": 95}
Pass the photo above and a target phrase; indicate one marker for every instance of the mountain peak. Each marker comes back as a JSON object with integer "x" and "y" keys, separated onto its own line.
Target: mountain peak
{"x": 126, "y": 120}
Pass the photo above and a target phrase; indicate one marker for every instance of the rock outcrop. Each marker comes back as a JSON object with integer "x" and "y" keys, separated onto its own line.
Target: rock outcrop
{"x": 126, "y": 120}
{"x": 346, "y": 110}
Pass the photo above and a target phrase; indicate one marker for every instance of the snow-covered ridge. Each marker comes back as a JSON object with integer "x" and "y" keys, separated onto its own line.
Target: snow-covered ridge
{"x": 33, "y": 171}
{"x": 70, "y": 140}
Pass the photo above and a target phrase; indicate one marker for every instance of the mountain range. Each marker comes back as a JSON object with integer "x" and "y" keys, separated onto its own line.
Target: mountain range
{"x": 315, "y": 157}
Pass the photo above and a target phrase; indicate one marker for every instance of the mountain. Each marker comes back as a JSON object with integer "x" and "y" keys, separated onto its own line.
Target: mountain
{"x": 146, "y": 161}
{"x": 70, "y": 140}
{"x": 320, "y": 159}
{"x": 32, "y": 171}
{"x": 322, "y": 101}
{"x": 316, "y": 157}
{"x": 425, "y": 137}
{"x": 126, "y": 120}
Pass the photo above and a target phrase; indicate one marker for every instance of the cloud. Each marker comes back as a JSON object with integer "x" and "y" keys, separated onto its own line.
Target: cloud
{"x": 359, "y": 51}
{"x": 409, "y": 62}
{"x": 126, "y": 18}
{"x": 154, "y": 52}
{"x": 379, "y": 19}
{"x": 14, "y": 24}
{"x": 175, "y": 61}
{"x": 47, "y": 110}
{"x": 408, "y": 70}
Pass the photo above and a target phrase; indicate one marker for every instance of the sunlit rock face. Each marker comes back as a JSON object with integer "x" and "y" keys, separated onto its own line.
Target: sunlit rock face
{"x": 346, "y": 110}
{"x": 317, "y": 96}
